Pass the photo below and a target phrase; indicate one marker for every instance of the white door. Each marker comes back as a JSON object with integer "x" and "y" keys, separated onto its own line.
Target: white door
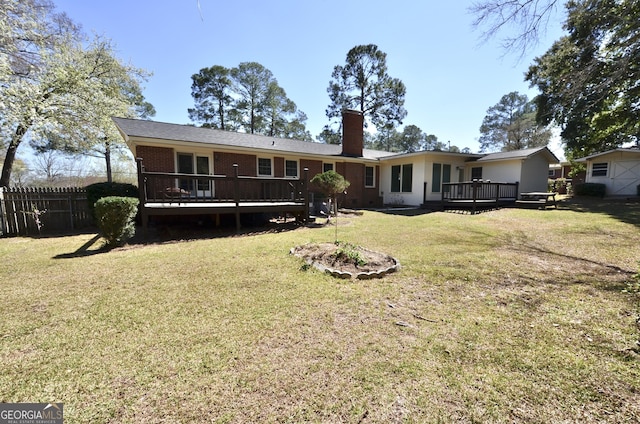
{"x": 195, "y": 164}
{"x": 625, "y": 178}
{"x": 202, "y": 167}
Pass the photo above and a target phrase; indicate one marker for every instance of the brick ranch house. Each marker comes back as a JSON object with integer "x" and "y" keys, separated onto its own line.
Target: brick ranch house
{"x": 377, "y": 178}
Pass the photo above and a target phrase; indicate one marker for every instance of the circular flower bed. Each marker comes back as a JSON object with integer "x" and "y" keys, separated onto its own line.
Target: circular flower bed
{"x": 345, "y": 260}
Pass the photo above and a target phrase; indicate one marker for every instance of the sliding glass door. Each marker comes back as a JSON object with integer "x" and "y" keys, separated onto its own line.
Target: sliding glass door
{"x": 188, "y": 163}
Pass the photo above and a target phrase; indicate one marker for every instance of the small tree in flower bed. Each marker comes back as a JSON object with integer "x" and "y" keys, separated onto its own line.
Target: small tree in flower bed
{"x": 331, "y": 184}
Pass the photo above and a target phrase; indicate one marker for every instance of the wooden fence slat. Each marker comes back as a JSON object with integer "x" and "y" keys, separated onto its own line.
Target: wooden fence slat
{"x": 63, "y": 210}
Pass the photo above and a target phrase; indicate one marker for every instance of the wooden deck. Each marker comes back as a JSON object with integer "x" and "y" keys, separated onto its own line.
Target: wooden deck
{"x": 475, "y": 196}
{"x": 163, "y": 193}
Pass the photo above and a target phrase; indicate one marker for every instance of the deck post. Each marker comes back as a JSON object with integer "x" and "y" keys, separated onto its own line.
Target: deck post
{"x": 142, "y": 196}
{"x": 236, "y": 195}
{"x": 474, "y": 196}
{"x": 305, "y": 195}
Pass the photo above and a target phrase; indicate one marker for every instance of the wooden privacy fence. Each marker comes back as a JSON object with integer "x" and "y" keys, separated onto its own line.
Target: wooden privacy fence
{"x": 33, "y": 211}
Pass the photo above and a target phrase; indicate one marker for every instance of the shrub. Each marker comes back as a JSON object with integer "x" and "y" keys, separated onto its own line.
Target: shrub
{"x": 590, "y": 189}
{"x": 97, "y": 191}
{"x": 115, "y": 218}
{"x": 331, "y": 184}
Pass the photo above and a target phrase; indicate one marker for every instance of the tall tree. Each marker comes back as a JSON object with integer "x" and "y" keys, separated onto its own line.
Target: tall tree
{"x": 52, "y": 84}
{"x": 330, "y": 135}
{"x": 589, "y": 78}
{"x": 411, "y": 139}
{"x": 363, "y": 84}
{"x": 511, "y": 125}
{"x": 211, "y": 92}
{"x": 431, "y": 143}
{"x": 283, "y": 119}
{"x": 101, "y": 87}
{"x": 251, "y": 84}
{"x": 246, "y": 98}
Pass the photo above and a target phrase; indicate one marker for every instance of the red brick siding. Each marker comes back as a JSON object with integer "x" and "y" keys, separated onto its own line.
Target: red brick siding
{"x": 278, "y": 167}
{"x": 223, "y": 164}
{"x": 156, "y": 159}
{"x": 315, "y": 167}
{"x": 352, "y": 133}
{"x": 357, "y": 195}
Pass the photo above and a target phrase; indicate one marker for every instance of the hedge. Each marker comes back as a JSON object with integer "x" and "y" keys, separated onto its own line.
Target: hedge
{"x": 590, "y": 189}
{"x": 97, "y": 191}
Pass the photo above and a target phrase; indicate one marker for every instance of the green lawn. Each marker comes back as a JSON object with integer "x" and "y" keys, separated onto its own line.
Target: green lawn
{"x": 506, "y": 316}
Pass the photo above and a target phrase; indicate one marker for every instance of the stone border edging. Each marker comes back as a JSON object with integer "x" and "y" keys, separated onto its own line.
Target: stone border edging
{"x": 350, "y": 275}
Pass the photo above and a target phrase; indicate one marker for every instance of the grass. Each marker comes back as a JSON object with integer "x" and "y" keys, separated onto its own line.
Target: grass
{"x": 506, "y": 316}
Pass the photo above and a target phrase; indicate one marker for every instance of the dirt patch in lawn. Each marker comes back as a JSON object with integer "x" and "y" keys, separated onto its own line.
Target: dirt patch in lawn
{"x": 346, "y": 260}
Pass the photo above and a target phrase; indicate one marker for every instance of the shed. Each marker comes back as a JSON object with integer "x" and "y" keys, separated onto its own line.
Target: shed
{"x": 618, "y": 170}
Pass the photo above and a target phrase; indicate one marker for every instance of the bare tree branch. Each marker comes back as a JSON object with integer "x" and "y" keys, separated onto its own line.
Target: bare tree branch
{"x": 528, "y": 18}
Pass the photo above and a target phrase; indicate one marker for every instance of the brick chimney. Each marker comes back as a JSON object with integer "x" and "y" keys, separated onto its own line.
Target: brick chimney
{"x": 352, "y": 133}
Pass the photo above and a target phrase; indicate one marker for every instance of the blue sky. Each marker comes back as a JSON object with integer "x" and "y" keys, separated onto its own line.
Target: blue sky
{"x": 451, "y": 77}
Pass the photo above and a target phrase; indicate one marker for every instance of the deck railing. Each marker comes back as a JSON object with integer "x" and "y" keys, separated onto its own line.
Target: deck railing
{"x": 168, "y": 189}
{"x": 471, "y": 194}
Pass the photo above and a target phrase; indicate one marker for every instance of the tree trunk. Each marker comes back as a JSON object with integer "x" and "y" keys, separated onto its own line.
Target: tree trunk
{"x": 221, "y": 113}
{"x": 5, "y": 179}
{"x": 107, "y": 158}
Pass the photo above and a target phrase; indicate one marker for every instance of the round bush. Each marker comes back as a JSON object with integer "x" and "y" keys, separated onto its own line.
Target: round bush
{"x": 115, "y": 217}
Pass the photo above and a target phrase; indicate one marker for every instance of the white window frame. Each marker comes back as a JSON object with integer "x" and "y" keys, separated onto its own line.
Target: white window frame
{"x": 599, "y": 169}
{"x": 195, "y": 187}
{"x": 331, "y": 164}
{"x": 373, "y": 177}
{"x": 297, "y": 168}
{"x": 270, "y": 167}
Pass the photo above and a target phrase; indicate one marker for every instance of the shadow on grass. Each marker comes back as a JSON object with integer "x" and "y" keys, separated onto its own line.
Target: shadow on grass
{"x": 182, "y": 232}
{"x": 623, "y": 209}
{"x": 406, "y": 211}
{"x": 84, "y": 250}
{"x": 186, "y": 231}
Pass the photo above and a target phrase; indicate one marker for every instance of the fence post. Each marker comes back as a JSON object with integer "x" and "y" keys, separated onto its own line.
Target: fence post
{"x": 3, "y": 214}
{"x": 142, "y": 196}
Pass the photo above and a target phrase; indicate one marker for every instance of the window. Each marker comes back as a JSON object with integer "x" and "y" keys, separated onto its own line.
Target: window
{"x": 599, "y": 169}
{"x": 436, "y": 175}
{"x": 402, "y": 178}
{"x": 369, "y": 176}
{"x": 476, "y": 173}
{"x": 185, "y": 166}
{"x": 440, "y": 174}
{"x": 264, "y": 167}
{"x": 291, "y": 168}
{"x": 327, "y": 167}
{"x": 395, "y": 178}
{"x": 407, "y": 177}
